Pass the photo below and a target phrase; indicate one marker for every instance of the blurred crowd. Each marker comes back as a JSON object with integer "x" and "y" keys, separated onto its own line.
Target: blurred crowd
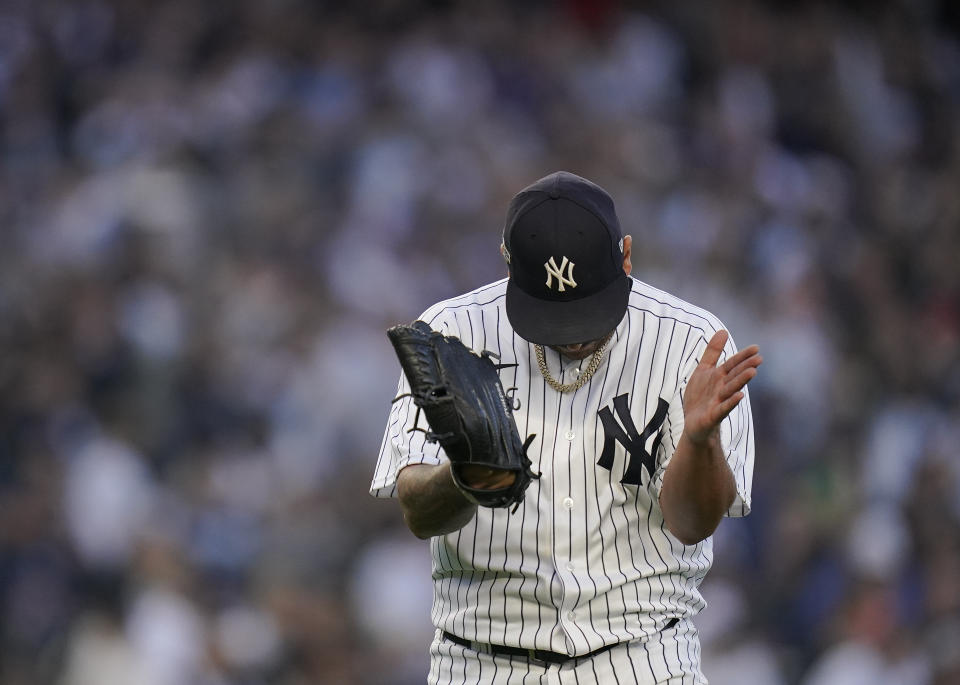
{"x": 210, "y": 212}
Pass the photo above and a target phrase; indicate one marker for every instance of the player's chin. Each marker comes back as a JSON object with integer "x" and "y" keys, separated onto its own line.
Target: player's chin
{"x": 578, "y": 352}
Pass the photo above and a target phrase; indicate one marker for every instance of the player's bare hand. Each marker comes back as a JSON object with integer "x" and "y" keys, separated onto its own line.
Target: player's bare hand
{"x": 485, "y": 478}
{"x": 713, "y": 391}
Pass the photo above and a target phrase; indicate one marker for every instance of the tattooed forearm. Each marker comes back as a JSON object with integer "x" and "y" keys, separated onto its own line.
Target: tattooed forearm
{"x": 431, "y": 503}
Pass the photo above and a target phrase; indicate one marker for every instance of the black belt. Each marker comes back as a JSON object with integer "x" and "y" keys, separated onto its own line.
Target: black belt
{"x": 534, "y": 654}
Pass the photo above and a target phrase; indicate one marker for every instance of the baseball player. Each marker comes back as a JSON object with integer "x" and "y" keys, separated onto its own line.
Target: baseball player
{"x": 643, "y": 442}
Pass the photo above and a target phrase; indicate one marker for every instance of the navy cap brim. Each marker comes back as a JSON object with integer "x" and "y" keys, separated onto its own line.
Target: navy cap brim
{"x": 568, "y": 323}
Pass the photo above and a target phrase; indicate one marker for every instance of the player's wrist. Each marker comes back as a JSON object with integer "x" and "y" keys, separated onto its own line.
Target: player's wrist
{"x": 703, "y": 440}
{"x": 485, "y": 478}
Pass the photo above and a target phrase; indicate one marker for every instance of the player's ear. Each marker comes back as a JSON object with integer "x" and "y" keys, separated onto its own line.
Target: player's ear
{"x": 627, "y": 264}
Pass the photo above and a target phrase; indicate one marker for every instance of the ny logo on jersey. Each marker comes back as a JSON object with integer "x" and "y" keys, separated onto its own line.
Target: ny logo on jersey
{"x": 635, "y": 443}
{"x": 554, "y": 271}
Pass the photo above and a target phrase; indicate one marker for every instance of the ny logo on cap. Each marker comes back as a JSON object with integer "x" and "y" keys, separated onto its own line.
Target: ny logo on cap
{"x": 554, "y": 271}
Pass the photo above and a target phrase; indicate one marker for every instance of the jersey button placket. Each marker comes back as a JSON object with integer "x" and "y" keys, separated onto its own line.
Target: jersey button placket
{"x": 568, "y": 508}
{"x": 568, "y": 581}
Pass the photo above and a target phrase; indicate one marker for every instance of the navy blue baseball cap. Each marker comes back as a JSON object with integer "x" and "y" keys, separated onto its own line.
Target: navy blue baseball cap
{"x": 564, "y": 250}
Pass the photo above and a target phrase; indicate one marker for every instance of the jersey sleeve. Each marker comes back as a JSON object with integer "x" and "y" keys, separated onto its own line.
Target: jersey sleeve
{"x": 402, "y": 445}
{"x": 736, "y": 436}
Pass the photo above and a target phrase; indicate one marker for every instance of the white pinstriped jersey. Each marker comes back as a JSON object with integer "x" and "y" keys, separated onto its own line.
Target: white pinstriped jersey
{"x": 586, "y": 560}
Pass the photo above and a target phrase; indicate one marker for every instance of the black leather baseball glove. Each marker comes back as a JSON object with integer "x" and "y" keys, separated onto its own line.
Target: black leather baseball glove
{"x": 460, "y": 393}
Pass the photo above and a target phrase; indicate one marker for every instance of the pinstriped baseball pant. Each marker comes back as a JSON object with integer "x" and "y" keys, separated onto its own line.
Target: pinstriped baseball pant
{"x": 671, "y": 657}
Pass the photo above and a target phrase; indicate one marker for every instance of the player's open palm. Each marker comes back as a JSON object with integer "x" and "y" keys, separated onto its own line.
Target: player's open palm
{"x": 714, "y": 390}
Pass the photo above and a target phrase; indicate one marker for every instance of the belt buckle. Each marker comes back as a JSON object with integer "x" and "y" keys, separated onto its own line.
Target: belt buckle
{"x": 533, "y": 655}
{"x": 481, "y": 647}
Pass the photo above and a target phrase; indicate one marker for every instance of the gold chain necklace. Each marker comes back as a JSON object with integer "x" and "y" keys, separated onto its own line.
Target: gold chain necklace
{"x": 585, "y": 376}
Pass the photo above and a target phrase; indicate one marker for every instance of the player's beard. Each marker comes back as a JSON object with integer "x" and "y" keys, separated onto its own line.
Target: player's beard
{"x": 580, "y": 351}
